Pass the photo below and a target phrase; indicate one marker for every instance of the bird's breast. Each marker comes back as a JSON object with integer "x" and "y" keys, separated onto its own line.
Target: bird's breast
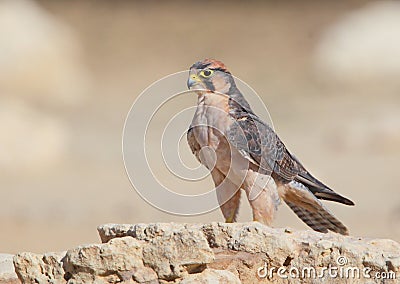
{"x": 211, "y": 119}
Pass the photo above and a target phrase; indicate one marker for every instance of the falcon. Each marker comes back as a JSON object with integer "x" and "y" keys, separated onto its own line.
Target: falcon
{"x": 243, "y": 153}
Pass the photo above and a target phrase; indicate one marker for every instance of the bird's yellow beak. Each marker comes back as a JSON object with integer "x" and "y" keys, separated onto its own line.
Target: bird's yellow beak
{"x": 193, "y": 79}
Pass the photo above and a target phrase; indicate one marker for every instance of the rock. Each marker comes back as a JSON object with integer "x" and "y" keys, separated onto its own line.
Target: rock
{"x": 111, "y": 231}
{"x": 247, "y": 247}
{"x": 177, "y": 252}
{"x": 118, "y": 260}
{"x": 212, "y": 276}
{"x": 215, "y": 253}
{"x": 172, "y": 251}
{"x": 7, "y": 273}
{"x": 35, "y": 268}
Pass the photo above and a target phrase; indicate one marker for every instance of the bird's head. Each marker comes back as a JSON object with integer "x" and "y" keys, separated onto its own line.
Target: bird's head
{"x": 211, "y": 75}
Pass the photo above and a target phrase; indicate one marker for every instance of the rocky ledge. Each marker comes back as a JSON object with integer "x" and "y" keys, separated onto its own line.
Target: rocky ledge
{"x": 213, "y": 253}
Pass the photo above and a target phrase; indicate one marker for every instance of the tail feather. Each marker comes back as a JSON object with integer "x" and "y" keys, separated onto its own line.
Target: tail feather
{"x": 310, "y": 210}
{"x": 320, "y": 190}
{"x": 320, "y": 221}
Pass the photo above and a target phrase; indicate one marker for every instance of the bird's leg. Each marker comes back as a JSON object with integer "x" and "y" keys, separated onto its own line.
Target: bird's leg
{"x": 228, "y": 195}
{"x": 263, "y": 197}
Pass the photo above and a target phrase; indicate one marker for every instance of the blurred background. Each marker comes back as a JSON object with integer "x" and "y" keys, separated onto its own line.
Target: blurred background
{"x": 69, "y": 71}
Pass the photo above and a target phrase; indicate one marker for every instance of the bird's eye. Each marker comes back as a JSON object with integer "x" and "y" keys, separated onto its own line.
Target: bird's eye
{"x": 206, "y": 73}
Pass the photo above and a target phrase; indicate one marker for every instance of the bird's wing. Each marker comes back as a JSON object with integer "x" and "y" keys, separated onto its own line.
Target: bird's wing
{"x": 193, "y": 144}
{"x": 260, "y": 144}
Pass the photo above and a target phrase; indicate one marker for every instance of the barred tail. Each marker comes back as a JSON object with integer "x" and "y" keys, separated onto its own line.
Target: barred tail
{"x": 310, "y": 210}
{"x": 320, "y": 220}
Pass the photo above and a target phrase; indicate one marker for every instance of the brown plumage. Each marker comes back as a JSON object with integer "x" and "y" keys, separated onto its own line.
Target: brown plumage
{"x": 250, "y": 156}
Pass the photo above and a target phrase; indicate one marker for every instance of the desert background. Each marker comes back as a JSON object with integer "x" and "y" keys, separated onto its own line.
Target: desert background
{"x": 328, "y": 72}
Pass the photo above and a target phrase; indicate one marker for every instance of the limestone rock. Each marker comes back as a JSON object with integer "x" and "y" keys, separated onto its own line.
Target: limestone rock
{"x": 247, "y": 248}
{"x": 173, "y": 254}
{"x": 215, "y": 253}
{"x": 7, "y": 273}
{"x": 118, "y": 260}
{"x": 173, "y": 249}
{"x": 36, "y": 268}
{"x": 212, "y": 276}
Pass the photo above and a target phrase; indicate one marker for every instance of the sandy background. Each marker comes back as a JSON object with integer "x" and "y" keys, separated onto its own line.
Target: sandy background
{"x": 70, "y": 70}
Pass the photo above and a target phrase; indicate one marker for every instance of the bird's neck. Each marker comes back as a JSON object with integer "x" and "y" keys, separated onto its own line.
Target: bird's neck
{"x": 212, "y": 99}
{"x": 238, "y": 104}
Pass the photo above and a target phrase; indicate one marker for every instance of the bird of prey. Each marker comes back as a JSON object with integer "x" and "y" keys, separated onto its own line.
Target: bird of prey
{"x": 243, "y": 152}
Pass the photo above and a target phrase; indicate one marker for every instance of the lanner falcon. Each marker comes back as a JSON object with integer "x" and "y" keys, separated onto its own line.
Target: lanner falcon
{"x": 243, "y": 152}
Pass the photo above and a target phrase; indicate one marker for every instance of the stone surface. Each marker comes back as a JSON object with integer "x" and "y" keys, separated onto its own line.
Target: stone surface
{"x": 173, "y": 249}
{"x": 243, "y": 248}
{"x": 7, "y": 273}
{"x": 211, "y": 276}
{"x": 118, "y": 260}
{"x": 215, "y": 253}
{"x": 36, "y": 268}
{"x": 177, "y": 252}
